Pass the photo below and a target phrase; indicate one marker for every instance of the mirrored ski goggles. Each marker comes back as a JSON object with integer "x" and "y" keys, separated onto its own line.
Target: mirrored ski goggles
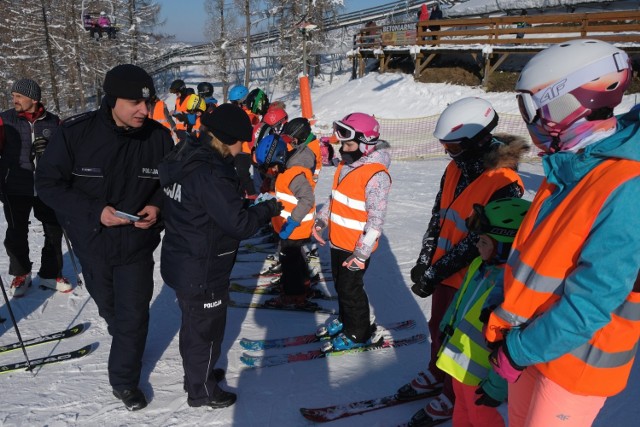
{"x": 531, "y": 105}
{"x": 345, "y": 132}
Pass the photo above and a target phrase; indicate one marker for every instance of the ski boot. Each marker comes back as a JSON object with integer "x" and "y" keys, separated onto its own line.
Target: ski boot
{"x": 341, "y": 342}
{"x": 437, "y": 411}
{"x": 329, "y": 329}
{"x": 275, "y": 268}
{"x": 424, "y": 384}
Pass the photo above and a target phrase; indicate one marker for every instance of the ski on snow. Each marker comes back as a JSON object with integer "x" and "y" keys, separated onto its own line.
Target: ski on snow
{"x": 275, "y": 290}
{"x": 55, "y": 336}
{"x": 264, "y": 344}
{"x": 336, "y": 412}
{"x": 60, "y": 357}
{"x": 281, "y": 359}
{"x": 307, "y": 309}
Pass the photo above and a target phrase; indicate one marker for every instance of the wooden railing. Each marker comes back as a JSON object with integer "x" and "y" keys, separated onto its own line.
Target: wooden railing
{"x": 613, "y": 27}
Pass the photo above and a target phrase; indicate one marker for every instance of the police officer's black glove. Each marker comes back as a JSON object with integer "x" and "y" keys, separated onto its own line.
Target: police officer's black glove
{"x": 38, "y": 146}
{"x": 417, "y": 272}
{"x": 424, "y": 287}
{"x": 182, "y": 117}
{"x": 274, "y": 206}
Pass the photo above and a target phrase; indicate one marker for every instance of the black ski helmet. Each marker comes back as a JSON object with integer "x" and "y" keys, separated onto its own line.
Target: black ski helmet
{"x": 257, "y": 101}
{"x": 298, "y": 128}
{"x": 205, "y": 89}
{"x": 177, "y": 85}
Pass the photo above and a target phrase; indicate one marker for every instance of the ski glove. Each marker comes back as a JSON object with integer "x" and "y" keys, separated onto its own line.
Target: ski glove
{"x": 424, "y": 287}
{"x": 288, "y": 228}
{"x": 485, "y": 398}
{"x": 417, "y": 272}
{"x": 486, "y": 313}
{"x": 504, "y": 365}
{"x": 354, "y": 263}
{"x": 38, "y": 146}
{"x": 272, "y": 207}
{"x": 316, "y": 231}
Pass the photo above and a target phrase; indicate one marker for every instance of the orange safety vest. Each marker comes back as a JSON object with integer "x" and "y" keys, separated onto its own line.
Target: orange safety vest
{"x": 254, "y": 119}
{"x": 157, "y": 114}
{"x": 534, "y": 281}
{"x": 455, "y": 210}
{"x": 289, "y": 202}
{"x": 181, "y": 107}
{"x": 196, "y": 127}
{"x": 315, "y": 147}
{"x": 348, "y": 210}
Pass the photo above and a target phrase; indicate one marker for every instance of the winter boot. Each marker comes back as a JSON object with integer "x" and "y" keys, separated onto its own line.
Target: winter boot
{"x": 20, "y": 284}
{"x": 437, "y": 411}
{"x": 424, "y": 384}
{"x": 133, "y": 400}
{"x": 60, "y": 284}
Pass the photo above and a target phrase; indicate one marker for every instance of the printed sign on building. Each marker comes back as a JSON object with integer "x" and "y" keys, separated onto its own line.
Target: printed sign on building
{"x": 399, "y": 34}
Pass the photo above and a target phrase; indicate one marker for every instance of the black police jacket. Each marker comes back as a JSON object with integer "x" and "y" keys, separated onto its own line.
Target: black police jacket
{"x": 205, "y": 218}
{"x": 91, "y": 163}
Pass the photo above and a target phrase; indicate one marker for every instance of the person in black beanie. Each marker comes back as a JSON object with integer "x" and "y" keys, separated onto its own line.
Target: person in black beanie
{"x": 205, "y": 218}
{"x": 100, "y": 174}
{"x": 28, "y": 128}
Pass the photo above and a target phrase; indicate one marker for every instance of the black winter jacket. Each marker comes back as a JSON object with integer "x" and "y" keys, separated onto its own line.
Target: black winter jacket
{"x": 205, "y": 218}
{"x": 91, "y": 163}
{"x": 16, "y": 165}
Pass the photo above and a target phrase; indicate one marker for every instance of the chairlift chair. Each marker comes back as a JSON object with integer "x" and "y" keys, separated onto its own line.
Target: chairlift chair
{"x": 90, "y": 19}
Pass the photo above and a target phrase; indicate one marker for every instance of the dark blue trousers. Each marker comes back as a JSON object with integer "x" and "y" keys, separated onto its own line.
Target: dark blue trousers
{"x": 122, "y": 294}
{"x": 204, "y": 317}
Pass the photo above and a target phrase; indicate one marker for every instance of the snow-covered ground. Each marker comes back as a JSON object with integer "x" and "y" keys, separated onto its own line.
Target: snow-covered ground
{"x": 78, "y": 392}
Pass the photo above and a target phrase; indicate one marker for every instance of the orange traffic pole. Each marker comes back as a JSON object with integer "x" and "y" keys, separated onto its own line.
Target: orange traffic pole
{"x": 305, "y": 99}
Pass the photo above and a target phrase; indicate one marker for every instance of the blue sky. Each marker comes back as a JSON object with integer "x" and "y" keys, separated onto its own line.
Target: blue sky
{"x": 185, "y": 18}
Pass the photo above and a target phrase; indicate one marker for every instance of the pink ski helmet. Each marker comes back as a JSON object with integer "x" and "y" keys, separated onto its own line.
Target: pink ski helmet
{"x": 359, "y": 127}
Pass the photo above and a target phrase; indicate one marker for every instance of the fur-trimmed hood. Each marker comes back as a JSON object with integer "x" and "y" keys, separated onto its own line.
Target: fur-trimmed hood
{"x": 505, "y": 151}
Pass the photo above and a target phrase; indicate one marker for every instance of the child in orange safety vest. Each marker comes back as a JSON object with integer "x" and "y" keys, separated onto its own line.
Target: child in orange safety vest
{"x": 293, "y": 188}
{"x": 354, "y": 215}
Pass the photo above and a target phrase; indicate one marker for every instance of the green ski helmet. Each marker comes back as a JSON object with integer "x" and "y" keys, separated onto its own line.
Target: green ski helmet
{"x": 499, "y": 219}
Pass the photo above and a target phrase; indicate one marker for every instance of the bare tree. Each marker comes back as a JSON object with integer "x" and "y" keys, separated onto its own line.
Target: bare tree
{"x": 46, "y": 41}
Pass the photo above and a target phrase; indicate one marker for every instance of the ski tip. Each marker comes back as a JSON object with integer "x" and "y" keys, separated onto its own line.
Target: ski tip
{"x": 248, "y": 360}
{"x": 250, "y": 345}
{"x": 311, "y": 415}
{"x": 80, "y": 327}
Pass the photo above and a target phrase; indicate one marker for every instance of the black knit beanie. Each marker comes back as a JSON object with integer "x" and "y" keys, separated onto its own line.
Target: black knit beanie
{"x": 129, "y": 82}
{"x": 28, "y": 88}
{"x": 229, "y": 123}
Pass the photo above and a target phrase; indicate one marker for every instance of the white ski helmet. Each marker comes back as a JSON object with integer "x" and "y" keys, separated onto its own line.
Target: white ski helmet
{"x": 578, "y": 79}
{"x": 467, "y": 122}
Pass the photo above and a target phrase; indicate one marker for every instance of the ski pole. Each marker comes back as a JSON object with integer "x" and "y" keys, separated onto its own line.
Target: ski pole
{"x": 72, "y": 255}
{"x": 15, "y": 325}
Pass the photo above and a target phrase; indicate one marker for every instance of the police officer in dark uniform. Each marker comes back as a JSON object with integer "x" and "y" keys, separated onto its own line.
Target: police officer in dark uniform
{"x": 98, "y": 166}
{"x": 206, "y": 218}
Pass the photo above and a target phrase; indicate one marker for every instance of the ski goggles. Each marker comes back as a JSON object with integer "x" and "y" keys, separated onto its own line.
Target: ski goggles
{"x": 453, "y": 148}
{"x": 556, "y": 103}
{"x": 345, "y": 132}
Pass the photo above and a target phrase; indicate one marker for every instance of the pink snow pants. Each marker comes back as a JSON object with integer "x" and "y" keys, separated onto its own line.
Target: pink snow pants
{"x": 467, "y": 414}
{"x": 536, "y": 401}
